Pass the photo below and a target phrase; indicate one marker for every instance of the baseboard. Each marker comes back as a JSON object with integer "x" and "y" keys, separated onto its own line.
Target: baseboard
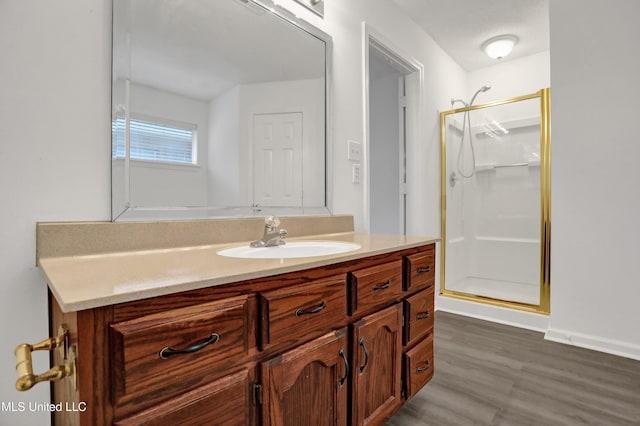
{"x": 536, "y": 322}
{"x": 614, "y": 347}
{"x": 513, "y": 317}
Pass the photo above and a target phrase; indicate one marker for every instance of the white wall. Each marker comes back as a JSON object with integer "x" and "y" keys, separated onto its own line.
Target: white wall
{"x": 595, "y": 208}
{"x": 509, "y": 79}
{"x": 224, "y": 152}
{"x": 54, "y": 158}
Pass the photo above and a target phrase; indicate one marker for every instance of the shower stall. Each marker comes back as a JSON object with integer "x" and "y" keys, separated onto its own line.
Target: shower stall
{"x": 496, "y": 201}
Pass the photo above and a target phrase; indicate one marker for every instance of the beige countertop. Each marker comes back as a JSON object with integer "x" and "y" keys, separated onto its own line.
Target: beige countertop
{"x": 81, "y": 282}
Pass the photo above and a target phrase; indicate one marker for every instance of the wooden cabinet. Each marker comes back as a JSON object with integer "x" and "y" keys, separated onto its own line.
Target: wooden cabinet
{"x": 344, "y": 344}
{"x": 418, "y": 365}
{"x": 374, "y": 287}
{"x": 293, "y": 313}
{"x": 418, "y": 316}
{"x": 154, "y": 353}
{"x": 418, "y": 321}
{"x": 377, "y": 344}
{"x": 420, "y": 269}
{"x": 307, "y": 385}
{"x": 227, "y": 401}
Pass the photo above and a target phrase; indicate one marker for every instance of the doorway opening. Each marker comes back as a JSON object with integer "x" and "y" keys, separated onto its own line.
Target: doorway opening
{"x": 393, "y": 88}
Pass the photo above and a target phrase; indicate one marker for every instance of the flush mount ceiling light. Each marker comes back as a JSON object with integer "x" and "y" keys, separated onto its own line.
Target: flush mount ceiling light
{"x": 500, "y": 46}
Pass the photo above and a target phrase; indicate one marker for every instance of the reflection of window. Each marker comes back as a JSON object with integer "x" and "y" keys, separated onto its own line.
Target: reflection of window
{"x": 156, "y": 141}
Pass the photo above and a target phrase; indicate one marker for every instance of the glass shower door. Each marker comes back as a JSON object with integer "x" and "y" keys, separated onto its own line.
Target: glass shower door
{"x": 495, "y": 203}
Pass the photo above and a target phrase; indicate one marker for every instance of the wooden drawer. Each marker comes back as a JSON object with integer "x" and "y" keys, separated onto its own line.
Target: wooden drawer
{"x": 420, "y": 269}
{"x": 418, "y": 366}
{"x": 418, "y": 316}
{"x": 375, "y": 286}
{"x": 227, "y": 401}
{"x": 303, "y": 311}
{"x": 137, "y": 345}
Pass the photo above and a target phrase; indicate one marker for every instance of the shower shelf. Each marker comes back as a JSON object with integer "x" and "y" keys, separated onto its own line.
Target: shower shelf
{"x": 488, "y": 167}
{"x": 502, "y": 127}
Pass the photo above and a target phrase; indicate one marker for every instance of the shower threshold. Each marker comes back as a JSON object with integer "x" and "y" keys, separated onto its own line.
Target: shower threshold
{"x": 502, "y": 290}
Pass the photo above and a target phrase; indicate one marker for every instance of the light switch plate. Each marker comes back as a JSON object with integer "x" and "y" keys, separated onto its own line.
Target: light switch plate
{"x": 355, "y": 173}
{"x": 355, "y": 150}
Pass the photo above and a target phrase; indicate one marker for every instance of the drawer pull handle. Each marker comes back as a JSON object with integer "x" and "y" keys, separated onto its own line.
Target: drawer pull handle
{"x": 346, "y": 367}
{"x": 425, "y": 269}
{"x": 167, "y": 351}
{"x": 300, "y": 312}
{"x": 382, "y": 286}
{"x": 425, "y": 368}
{"x": 366, "y": 355}
{"x": 422, "y": 316}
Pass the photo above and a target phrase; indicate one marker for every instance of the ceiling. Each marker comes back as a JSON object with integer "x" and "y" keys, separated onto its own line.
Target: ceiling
{"x": 461, "y": 26}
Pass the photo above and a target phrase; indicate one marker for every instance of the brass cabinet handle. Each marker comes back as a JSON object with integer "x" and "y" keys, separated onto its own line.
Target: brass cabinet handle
{"x": 366, "y": 355}
{"x": 425, "y": 269}
{"x": 24, "y": 365}
{"x": 423, "y": 316}
{"x": 300, "y": 312}
{"x": 346, "y": 367}
{"x": 425, "y": 368}
{"x": 166, "y": 352}
{"x": 382, "y": 286}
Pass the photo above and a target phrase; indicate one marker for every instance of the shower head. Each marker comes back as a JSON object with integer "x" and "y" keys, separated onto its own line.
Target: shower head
{"x": 482, "y": 89}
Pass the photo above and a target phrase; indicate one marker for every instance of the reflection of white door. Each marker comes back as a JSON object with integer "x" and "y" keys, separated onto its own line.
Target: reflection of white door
{"x": 277, "y": 166}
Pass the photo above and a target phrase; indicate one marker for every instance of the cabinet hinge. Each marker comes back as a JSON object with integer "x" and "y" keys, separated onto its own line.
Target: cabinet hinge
{"x": 257, "y": 393}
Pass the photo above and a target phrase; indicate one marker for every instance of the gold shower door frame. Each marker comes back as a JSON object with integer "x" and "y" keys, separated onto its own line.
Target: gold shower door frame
{"x": 545, "y": 205}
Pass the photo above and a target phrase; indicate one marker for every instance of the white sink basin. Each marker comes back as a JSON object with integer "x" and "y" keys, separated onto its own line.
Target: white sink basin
{"x": 291, "y": 250}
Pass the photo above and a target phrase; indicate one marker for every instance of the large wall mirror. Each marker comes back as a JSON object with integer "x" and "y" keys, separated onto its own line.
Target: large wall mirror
{"x": 219, "y": 109}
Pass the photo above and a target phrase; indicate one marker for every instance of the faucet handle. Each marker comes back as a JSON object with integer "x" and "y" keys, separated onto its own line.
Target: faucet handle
{"x": 272, "y": 221}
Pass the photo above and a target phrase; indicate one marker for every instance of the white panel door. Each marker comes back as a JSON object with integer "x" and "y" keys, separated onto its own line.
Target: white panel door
{"x": 277, "y": 166}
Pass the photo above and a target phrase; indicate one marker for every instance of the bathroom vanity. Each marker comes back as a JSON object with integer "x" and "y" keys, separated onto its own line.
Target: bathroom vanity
{"x": 335, "y": 339}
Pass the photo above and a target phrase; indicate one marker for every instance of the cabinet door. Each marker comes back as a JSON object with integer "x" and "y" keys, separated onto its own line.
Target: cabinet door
{"x": 308, "y": 385}
{"x": 377, "y": 366}
{"x": 227, "y": 401}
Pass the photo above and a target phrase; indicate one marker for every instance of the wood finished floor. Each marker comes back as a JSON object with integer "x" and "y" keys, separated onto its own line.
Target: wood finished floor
{"x": 492, "y": 374}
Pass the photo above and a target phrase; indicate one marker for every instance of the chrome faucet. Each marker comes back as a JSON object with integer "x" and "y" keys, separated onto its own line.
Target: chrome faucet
{"x": 272, "y": 235}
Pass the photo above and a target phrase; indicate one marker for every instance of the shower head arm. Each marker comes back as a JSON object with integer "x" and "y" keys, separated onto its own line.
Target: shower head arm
{"x": 482, "y": 89}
